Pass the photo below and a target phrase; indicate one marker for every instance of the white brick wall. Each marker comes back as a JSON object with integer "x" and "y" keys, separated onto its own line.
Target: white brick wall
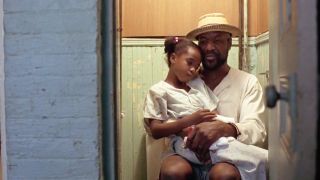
{"x": 51, "y": 89}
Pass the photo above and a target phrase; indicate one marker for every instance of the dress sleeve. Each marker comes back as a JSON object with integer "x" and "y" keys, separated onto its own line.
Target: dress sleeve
{"x": 155, "y": 107}
{"x": 252, "y": 128}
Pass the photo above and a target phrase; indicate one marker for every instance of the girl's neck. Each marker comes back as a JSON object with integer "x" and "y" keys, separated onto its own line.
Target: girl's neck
{"x": 175, "y": 82}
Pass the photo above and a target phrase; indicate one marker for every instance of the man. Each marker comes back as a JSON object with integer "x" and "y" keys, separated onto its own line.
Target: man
{"x": 240, "y": 96}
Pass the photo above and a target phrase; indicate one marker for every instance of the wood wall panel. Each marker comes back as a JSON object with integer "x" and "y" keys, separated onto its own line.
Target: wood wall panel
{"x": 152, "y": 18}
{"x": 258, "y": 17}
{"x": 262, "y": 73}
{"x": 263, "y": 11}
{"x": 253, "y": 17}
{"x": 159, "y": 18}
{"x": 142, "y": 66}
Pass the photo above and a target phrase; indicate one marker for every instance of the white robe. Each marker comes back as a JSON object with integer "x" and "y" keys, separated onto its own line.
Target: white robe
{"x": 240, "y": 96}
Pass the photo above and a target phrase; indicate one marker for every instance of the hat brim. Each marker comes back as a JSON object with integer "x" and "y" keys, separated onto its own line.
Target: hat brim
{"x": 214, "y": 27}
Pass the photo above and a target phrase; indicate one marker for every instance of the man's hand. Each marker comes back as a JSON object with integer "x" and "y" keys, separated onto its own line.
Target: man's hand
{"x": 206, "y": 133}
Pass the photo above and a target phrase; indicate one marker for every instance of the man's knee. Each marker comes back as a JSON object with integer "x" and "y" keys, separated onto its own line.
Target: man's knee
{"x": 175, "y": 168}
{"x": 224, "y": 171}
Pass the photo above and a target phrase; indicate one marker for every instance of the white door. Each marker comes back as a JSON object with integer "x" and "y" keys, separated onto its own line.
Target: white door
{"x": 293, "y": 71}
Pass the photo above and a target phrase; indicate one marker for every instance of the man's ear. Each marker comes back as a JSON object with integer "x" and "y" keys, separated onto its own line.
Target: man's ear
{"x": 172, "y": 58}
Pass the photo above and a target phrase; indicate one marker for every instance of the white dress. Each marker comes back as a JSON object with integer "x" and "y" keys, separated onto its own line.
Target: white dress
{"x": 165, "y": 102}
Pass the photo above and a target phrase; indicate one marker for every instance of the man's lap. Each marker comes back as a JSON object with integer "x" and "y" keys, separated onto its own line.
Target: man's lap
{"x": 201, "y": 172}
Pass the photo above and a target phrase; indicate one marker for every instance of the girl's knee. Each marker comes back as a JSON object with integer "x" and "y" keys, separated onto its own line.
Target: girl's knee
{"x": 175, "y": 168}
{"x": 224, "y": 171}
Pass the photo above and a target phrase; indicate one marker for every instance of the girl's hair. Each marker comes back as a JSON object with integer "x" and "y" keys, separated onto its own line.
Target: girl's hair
{"x": 178, "y": 45}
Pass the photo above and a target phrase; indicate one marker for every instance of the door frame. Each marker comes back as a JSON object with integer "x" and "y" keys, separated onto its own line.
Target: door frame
{"x": 3, "y": 162}
{"x": 318, "y": 99}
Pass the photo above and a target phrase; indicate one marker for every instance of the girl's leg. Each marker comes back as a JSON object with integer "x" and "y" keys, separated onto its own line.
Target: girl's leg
{"x": 175, "y": 167}
{"x": 224, "y": 171}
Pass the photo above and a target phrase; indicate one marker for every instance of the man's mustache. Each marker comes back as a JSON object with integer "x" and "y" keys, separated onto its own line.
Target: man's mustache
{"x": 213, "y": 52}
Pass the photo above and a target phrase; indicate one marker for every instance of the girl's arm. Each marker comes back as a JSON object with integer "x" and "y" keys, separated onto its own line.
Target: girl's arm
{"x": 159, "y": 129}
{"x": 184, "y": 132}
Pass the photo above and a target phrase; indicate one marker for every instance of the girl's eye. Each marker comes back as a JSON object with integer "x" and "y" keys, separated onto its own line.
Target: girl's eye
{"x": 190, "y": 63}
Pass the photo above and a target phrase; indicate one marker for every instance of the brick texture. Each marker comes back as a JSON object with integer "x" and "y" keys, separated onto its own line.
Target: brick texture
{"x": 51, "y": 89}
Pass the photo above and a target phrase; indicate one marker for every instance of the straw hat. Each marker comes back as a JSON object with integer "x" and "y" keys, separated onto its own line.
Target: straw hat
{"x": 213, "y": 22}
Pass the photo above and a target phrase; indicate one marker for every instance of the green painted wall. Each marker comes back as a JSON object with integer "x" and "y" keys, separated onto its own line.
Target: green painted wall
{"x": 142, "y": 66}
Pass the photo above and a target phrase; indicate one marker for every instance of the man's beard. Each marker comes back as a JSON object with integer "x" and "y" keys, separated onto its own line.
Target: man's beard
{"x": 219, "y": 62}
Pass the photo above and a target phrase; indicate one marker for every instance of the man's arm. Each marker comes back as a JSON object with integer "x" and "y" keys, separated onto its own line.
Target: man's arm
{"x": 252, "y": 128}
{"x": 249, "y": 130}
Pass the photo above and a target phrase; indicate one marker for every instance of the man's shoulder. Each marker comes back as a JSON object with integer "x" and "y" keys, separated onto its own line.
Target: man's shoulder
{"x": 241, "y": 75}
{"x": 245, "y": 80}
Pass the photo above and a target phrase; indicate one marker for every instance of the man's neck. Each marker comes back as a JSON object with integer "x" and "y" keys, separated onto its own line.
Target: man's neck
{"x": 213, "y": 78}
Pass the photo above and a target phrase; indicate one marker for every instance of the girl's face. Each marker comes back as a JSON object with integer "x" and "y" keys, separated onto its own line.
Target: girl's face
{"x": 186, "y": 64}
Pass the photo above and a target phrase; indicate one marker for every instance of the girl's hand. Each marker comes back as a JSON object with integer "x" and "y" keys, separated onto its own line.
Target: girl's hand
{"x": 215, "y": 111}
{"x": 203, "y": 115}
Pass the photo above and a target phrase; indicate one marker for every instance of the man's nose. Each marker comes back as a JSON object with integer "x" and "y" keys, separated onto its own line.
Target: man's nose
{"x": 210, "y": 46}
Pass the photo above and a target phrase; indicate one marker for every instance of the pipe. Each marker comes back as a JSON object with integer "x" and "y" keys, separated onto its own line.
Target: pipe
{"x": 241, "y": 35}
{"x": 108, "y": 89}
{"x": 243, "y": 38}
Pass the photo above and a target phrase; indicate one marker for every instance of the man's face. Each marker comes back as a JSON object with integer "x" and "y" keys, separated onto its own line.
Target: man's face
{"x": 215, "y": 46}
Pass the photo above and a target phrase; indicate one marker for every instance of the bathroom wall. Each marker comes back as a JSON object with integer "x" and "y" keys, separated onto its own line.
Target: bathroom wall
{"x": 156, "y": 18}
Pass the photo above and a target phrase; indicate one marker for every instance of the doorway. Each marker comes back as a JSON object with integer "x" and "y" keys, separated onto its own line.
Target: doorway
{"x": 145, "y": 24}
{"x": 143, "y": 62}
